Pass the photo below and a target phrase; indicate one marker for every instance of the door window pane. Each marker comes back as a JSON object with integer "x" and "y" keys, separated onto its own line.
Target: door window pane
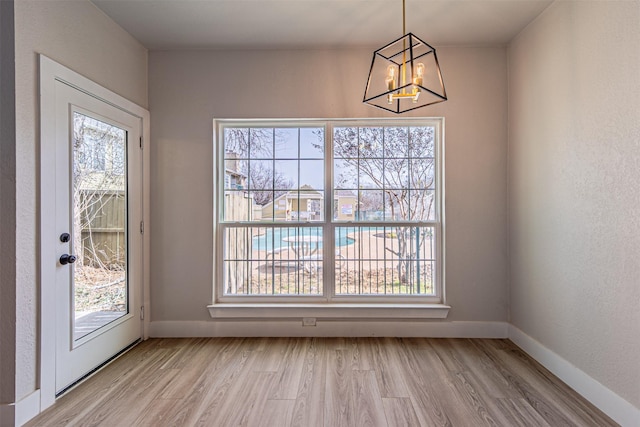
{"x": 99, "y": 223}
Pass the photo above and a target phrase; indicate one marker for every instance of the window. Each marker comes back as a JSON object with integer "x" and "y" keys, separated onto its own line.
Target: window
{"x": 334, "y": 211}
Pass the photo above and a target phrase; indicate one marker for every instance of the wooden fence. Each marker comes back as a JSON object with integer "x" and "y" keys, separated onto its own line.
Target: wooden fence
{"x": 103, "y": 219}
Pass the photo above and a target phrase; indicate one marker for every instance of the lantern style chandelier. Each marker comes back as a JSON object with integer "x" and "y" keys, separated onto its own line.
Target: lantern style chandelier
{"x": 404, "y": 75}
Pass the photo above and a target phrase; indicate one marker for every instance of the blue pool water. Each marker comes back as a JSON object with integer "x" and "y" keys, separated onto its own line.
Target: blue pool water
{"x": 274, "y": 238}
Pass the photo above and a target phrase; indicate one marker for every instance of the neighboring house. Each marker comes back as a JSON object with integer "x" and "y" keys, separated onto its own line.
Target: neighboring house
{"x": 233, "y": 178}
{"x": 239, "y": 204}
{"x": 345, "y": 205}
{"x": 304, "y": 204}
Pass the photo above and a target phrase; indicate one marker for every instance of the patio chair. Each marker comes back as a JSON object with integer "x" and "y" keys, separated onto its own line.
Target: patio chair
{"x": 273, "y": 253}
{"x": 311, "y": 263}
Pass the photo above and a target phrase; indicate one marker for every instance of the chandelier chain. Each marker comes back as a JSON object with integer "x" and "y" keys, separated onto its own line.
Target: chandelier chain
{"x": 404, "y": 25}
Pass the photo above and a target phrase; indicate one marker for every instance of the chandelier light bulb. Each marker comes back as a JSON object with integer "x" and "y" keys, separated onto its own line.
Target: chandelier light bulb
{"x": 391, "y": 82}
{"x": 418, "y": 73}
{"x": 391, "y": 77}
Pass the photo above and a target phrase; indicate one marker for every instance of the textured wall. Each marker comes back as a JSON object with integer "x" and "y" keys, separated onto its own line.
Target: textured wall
{"x": 7, "y": 205}
{"x": 79, "y": 36}
{"x": 574, "y": 201}
{"x": 189, "y": 89}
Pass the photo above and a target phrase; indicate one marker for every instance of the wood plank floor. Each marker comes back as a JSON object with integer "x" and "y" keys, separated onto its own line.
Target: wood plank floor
{"x": 278, "y": 382}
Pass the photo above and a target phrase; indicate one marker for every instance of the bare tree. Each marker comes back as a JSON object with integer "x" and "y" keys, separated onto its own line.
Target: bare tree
{"x": 249, "y": 142}
{"x": 243, "y": 144}
{"x": 263, "y": 178}
{"x": 370, "y": 201}
{"x": 394, "y": 171}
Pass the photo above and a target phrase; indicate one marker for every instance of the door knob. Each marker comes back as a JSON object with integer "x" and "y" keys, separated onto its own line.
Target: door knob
{"x": 67, "y": 259}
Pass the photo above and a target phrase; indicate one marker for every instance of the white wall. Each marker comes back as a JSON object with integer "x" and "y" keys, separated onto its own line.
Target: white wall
{"x": 188, "y": 89}
{"x": 574, "y": 200}
{"x": 78, "y": 35}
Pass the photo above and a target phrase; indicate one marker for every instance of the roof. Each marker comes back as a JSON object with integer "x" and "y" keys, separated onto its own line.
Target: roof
{"x": 344, "y": 193}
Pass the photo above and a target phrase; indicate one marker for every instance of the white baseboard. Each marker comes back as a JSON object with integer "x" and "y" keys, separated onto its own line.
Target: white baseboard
{"x": 17, "y": 414}
{"x": 326, "y": 328}
{"x": 621, "y": 411}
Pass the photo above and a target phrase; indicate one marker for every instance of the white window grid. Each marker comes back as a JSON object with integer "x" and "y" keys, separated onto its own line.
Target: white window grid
{"x": 328, "y": 225}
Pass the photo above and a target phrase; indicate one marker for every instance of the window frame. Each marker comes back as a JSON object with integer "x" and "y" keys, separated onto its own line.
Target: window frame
{"x": 328, "y": 224}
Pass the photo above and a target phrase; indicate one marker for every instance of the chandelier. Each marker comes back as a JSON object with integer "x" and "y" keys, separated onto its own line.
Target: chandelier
{"x": 404, "y": 75}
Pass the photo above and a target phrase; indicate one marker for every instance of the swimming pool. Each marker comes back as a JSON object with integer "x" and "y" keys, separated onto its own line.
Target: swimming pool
{"x": 274, "y": 238}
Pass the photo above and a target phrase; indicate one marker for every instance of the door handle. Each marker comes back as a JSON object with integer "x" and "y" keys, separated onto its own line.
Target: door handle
{"x": 67, "y": 259}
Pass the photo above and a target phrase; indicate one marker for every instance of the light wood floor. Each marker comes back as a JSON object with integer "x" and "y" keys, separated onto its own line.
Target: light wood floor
{"x": 331, "y": 382}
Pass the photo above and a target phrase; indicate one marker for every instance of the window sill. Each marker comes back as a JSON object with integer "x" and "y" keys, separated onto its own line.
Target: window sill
{"x": 341, "y": 311}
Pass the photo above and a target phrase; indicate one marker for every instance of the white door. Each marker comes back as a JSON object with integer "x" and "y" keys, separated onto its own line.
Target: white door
{"x": 98, "y": 214}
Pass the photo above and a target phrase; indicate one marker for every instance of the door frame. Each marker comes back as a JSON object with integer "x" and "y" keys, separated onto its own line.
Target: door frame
{"x": 50, "y": 72}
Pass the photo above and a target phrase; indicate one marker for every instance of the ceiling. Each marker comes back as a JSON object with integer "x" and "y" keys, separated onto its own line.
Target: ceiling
{"x": 273, "y": 24}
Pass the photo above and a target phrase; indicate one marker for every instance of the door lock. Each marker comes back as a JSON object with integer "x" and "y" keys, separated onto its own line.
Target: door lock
{"x": 65, "y": 237}
{"x": 67, "y": 259}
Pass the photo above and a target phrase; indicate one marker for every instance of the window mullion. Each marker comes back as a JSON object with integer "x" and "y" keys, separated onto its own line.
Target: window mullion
{"x": 328, "y": 229}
